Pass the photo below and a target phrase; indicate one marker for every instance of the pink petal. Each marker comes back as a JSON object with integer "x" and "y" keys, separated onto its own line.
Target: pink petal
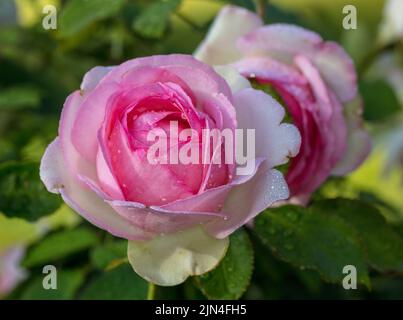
{"x": 57, "y": 178}
{"x": 190, "y": 70}
{"x": 359, "y": 143}
{"x": 333, "y": 63}
{"x": 247, "y": 200}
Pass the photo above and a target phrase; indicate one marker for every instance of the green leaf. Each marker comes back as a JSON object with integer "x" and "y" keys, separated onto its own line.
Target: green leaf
{"x": 230, "y": 279}
{"x": 153, "y": 21}
{"x": 103, "y": 256}
{"x": 68, "y": 282}
{"x": 120, "y": 283}
{"x": 17, "y": 98}
{"x": 384, "y": 246}
{"x": 22, "y": 194}
{"x": 60, "y": 245}
{"x": 380, "y": 101}
{"x": 309, "y": 239}
{"x": 78, "y": 14}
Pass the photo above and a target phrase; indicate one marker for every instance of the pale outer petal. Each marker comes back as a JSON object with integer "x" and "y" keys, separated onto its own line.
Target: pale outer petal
{"x": 275, "y": 141}
{"x": 169, "y": 260}
{"x": 92, "y": 77}
{"x": 219, "y": 47}
{"x": 234, "y": 79}
{"x": 85, "y": 202}
{"x": 359, "y": 142}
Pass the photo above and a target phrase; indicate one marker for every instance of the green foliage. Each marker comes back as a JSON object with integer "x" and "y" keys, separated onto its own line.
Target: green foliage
{"x": 379, "y": 99}
{"x": 22, "y": 193}
{"x": 310, "y": 239}
{"x": 60, "y": 245}
{"x": 102, "y": 256}
{"x": 153, "y": 21}
{"x": 383, "y": 246}
{"x": 120, "y": 283}
{"x": 78, "y": 14}
{"x": 17, "y": 98}
{"x": 68, "y": 282}
{"x": 232, "y": 276}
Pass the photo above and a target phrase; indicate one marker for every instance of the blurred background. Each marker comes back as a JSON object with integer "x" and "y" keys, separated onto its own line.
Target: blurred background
{"x": 39, "y": 68}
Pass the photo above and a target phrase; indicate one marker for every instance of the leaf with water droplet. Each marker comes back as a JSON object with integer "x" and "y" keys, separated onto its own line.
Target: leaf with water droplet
{"x": 313, "y": 240}
{"x": 230, "y": 279}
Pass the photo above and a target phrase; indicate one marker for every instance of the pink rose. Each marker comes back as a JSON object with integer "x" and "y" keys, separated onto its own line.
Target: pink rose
{"x": 316, "y": 82}
{"x": 177, "y": 217}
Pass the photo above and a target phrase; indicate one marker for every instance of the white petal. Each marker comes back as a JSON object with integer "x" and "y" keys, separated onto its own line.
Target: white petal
{"x": 49, "y": 168}
{"x": 170, "y": 259}
{"x": 274, "y": 141}
{"x": 219, "y": 47}
{"x": 234, "y": 79}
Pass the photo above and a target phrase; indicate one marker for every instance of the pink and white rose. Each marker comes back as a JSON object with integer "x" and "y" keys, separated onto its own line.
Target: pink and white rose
{"x": 177, "y": 217}
{"x": 316, "y": 82}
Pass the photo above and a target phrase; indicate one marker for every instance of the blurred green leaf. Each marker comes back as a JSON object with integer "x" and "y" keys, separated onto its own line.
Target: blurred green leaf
{"x": 68, "y": 282}
{"x": 77, "y": 14}
{"x": 17, "y": 98}
{"x": 60, "y": 245}
{"x": 153, "y": 21}
{"x": 309, "y": 239}
{"x": 103, "y": 255}
{"x": 380, "y": 101}
{"x": 384, "y": 247}
{"x": 120, "y": 283}
{"x": 22, "y": 193}
{"x": 230, "y": 279}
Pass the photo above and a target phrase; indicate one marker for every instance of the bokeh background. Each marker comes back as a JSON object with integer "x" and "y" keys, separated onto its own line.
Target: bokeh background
{"x": 39, "y": 68}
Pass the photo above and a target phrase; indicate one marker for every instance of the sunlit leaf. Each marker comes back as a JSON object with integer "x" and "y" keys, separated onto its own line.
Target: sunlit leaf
{"x": 153, "y": 21}
{"x": 60, "y": 245}
{"x": 77, "y": 14}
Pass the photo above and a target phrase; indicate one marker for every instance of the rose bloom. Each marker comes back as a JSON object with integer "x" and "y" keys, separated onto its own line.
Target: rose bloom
{"x": 177, "y": 217}
{"x": 316, "y": 82}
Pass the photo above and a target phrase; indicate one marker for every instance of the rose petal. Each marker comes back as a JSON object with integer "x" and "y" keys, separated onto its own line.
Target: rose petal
{"x": 359, "y": 142}
{"x": 92, "y": 77}
{"x": 274, "y": 141}
{"x": 334, "y": 64}
{"x": 235, "y": 80}
{"x": 247, "y": 200}
{"x": 219, "y": 46}
{"x": 85, "y": 202}
{"x": 170, "y": 259}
